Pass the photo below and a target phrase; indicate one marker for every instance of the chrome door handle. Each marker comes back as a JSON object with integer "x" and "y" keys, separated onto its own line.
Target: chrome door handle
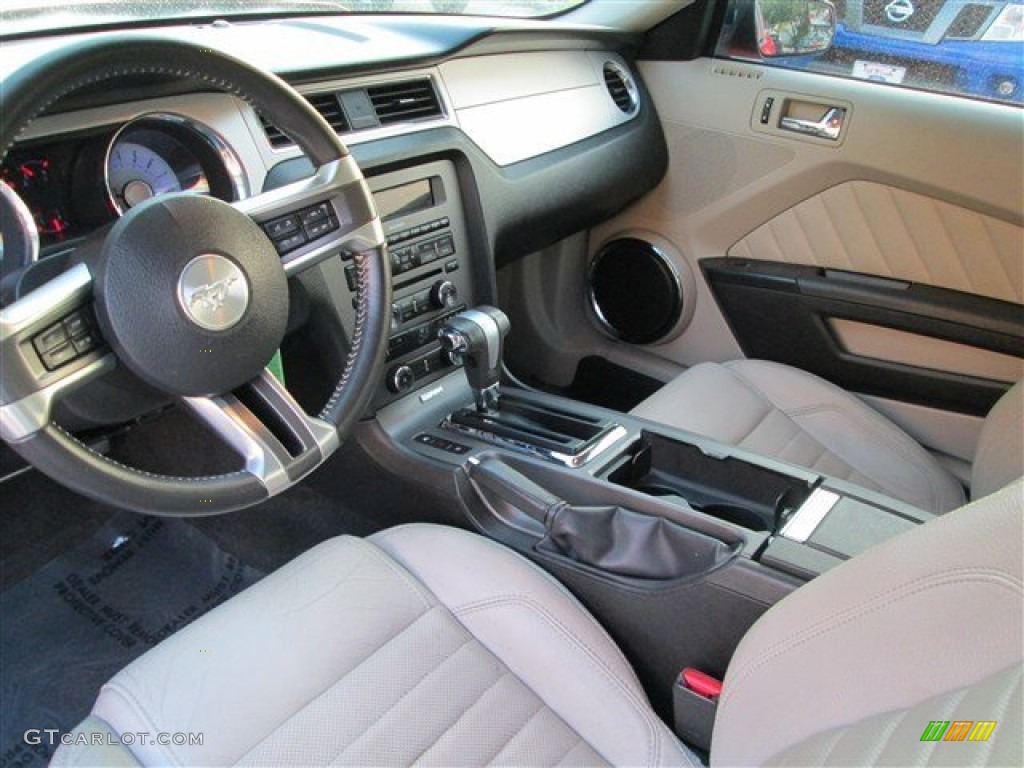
{"x": 829, "y": 127}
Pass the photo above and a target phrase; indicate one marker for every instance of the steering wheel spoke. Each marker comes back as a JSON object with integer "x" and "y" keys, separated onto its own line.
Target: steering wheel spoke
{"x": 50, "y": 346}
{"x": 319, "y": 217}
{"x": 279, "y": 442}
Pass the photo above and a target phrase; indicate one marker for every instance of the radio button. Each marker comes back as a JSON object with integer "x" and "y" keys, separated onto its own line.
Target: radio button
{"x": 401, "y": 378}
{"x": 443, "y": 294}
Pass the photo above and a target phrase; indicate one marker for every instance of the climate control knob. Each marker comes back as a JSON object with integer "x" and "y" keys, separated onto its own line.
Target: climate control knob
{"x": 400, "y": 379}
{"x": 443, "y": 294}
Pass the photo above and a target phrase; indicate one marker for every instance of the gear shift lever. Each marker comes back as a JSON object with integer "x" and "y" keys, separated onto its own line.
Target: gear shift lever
{"x": 476, "y": 336}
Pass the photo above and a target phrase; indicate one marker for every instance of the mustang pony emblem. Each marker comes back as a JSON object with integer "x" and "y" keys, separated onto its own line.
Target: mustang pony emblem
{"x": 212, "y": 295}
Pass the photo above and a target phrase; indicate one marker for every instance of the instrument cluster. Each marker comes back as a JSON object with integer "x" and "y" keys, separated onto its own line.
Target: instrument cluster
{"x": 74, "y": 185}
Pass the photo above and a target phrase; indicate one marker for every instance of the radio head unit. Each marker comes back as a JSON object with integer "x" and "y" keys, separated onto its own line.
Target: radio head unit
{"x": 431, "y": 273}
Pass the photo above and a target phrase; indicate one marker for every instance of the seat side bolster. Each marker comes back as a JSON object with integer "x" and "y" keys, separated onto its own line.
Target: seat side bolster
{"x": 93, "y": 743}
{"x": 1000, "y": 456}
{"x": 543, "y": 635}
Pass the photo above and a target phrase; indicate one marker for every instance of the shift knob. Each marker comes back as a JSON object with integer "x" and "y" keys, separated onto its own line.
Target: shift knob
{"x": 476, "y": 336}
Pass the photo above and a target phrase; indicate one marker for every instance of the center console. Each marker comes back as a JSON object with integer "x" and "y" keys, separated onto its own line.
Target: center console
{"x": 675, "y": 542}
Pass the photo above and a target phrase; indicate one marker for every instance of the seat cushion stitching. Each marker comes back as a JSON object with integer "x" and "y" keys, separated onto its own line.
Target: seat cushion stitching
{"x": 653, "y": 752}
{"x": 541, "y": 707}
{"x": 1000, "y": 708}
{"x": 336, "y": 682}
{"x": 569, "y": 751}
{"x": 873, "y": 423}
{"x": 427, "y": 675}
{"x": 460, "y": 718}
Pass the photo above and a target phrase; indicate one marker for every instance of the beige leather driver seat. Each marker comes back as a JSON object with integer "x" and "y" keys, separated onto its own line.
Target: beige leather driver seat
{"x": 436, "y": 646}
{"x": 786, "y": 413}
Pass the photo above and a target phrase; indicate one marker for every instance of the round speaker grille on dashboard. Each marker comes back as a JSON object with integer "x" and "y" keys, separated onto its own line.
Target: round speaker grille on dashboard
{"x": 635, "y": 291}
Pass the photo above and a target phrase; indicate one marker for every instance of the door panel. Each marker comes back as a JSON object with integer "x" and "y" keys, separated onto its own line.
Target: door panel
{"x": 922, "y": 188}
{"x": 882, "y": 230}
{"x": 847, "y": 327}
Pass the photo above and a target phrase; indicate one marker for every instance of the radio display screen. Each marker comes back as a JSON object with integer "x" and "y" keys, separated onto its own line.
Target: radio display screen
{"x": 401, "y": 201}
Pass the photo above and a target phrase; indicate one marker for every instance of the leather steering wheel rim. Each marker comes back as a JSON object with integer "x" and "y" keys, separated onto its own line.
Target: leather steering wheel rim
{"x": 24, "y": 417}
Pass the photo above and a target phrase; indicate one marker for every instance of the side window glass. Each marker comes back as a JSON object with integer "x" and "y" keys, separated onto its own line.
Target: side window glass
{"x": 972, "y": 48}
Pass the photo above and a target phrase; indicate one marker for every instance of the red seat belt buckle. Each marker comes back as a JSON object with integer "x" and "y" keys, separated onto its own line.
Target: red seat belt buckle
{"x": 700, "y": 683}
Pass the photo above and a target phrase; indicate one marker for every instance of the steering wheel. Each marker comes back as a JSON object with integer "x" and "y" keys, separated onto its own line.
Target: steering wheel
{"x": 190, "y": 295}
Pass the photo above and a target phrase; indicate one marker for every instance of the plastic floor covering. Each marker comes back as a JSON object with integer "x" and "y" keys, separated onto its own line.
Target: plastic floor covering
{"x": 70, "y": 626}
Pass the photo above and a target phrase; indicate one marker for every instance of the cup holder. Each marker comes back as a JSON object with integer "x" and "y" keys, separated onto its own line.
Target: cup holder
{"x": 724, "y": 487}
{"x": 740, "y": 516}
{"x": 731, "y": 513}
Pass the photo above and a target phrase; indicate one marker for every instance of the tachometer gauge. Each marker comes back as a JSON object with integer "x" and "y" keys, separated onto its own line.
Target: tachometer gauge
{"x": 136, "y": 173}
{"x": 29, "y": 174}
{"x": 19, "y": 240}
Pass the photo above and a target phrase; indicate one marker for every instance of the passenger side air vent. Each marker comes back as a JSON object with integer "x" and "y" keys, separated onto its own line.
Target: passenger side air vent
{"x": 405, "y": 101}
{"x": 357, "y": 109}
{"x": 620, "y": 87}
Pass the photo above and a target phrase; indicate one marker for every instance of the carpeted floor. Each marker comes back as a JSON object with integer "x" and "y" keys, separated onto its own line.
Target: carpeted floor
{"x": 72, "y": 624}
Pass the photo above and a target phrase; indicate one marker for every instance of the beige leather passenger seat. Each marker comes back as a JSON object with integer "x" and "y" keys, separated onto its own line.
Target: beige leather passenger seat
{"x": 780, "y": 411}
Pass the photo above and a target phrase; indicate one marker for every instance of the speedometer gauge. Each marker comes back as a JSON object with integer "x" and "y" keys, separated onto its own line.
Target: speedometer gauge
{"x": 136, "y": 173}
{"x": 159, "y": 154}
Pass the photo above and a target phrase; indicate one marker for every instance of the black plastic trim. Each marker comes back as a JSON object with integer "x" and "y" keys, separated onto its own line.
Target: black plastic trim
{"x": 780, "y": 311}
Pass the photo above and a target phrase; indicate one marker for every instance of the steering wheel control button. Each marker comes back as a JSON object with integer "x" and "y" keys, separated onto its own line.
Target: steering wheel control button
{"x": 278, "y": 228}
{"x": 290, "y": 242}
{"x": 76, "y": 325}
{"x": 296, "y": 229}
{"x": 214, "y": 292}
{"x": 59, "y": 356}
{"x": 315, "y": 215}
{"x": 65, "y": 341}
{"x": 50, "y": 339}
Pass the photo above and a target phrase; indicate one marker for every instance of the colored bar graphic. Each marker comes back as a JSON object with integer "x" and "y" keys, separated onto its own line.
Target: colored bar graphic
{"x": 935, "y": 730}
{"x": 982, "y": 730}
{"x": 959, "y": 730}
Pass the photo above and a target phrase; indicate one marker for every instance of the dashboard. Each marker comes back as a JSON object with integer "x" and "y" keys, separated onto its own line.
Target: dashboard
{"x": 494, "y": 144}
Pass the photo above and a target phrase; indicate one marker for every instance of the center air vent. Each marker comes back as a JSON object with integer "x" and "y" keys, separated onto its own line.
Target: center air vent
{"x": 356, "y": 109}
{"x": 405, "y": 101}
{"x": 620, "y": 87}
